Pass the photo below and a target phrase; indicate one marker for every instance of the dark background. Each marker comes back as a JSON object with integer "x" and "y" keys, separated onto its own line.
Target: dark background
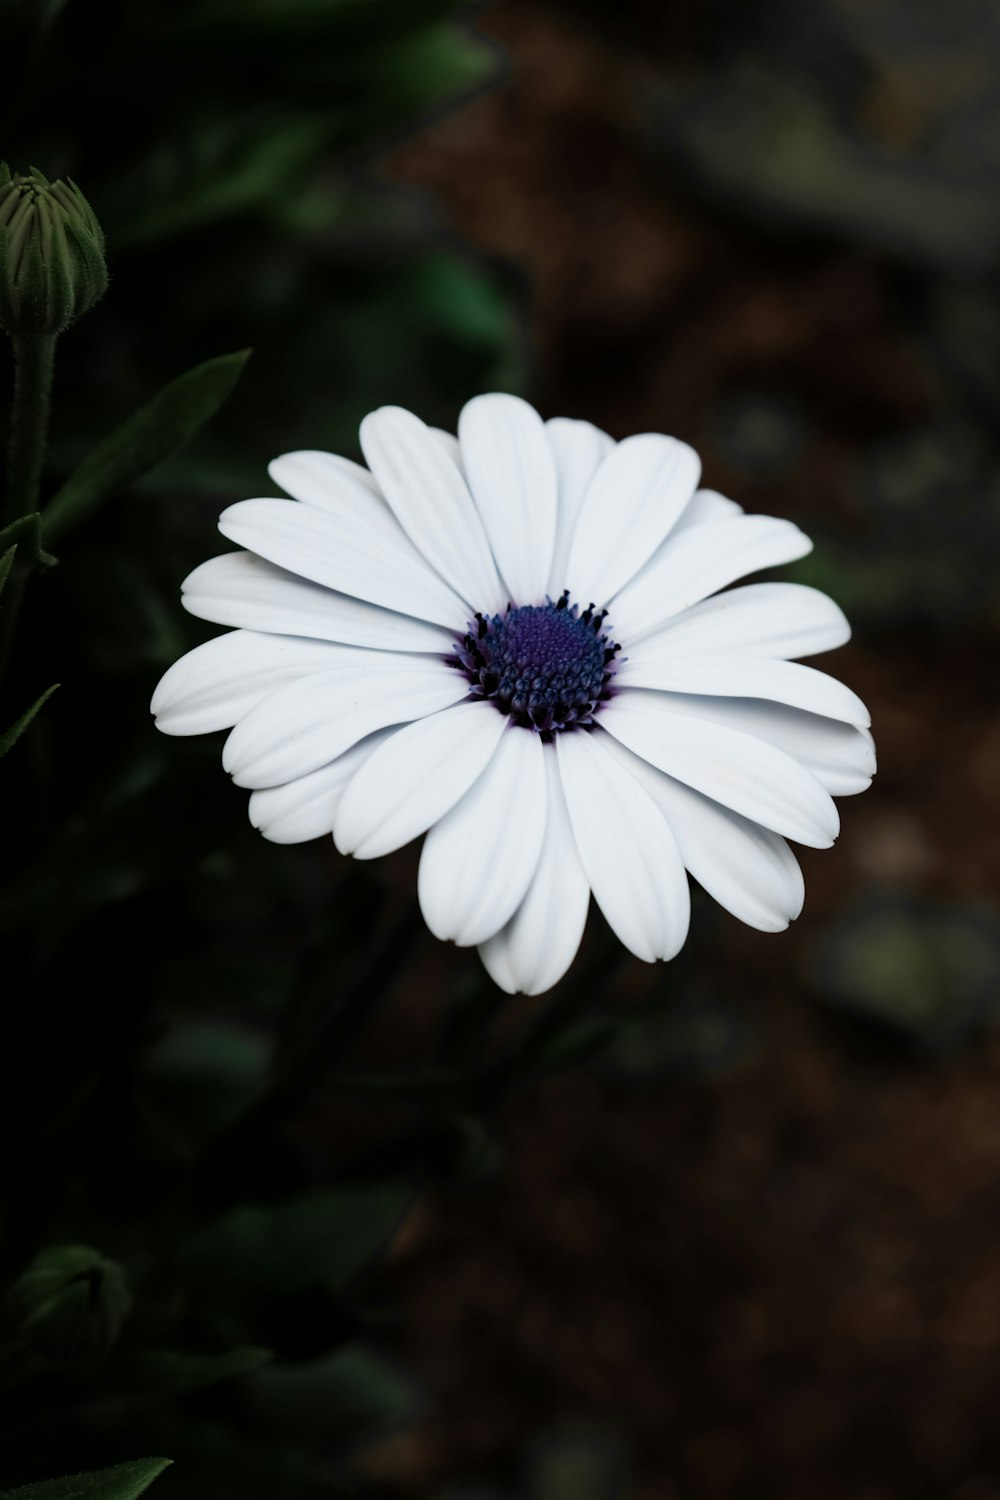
{"x": 748, "y": 1246}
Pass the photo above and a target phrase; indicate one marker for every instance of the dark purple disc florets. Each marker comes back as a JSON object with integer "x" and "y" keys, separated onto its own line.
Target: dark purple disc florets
{"x": 546, "y": 665}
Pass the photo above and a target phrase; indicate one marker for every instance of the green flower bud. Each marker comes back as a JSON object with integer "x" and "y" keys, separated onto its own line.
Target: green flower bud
{"x": 70, "y": 1303}
{"x": 51, "y": 254}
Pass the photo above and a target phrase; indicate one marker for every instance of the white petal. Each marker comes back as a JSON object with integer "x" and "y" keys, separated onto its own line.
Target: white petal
{"x": 538, "y": 944}
{"x": 331, "y": 483}
{"x": 579, "y": 449}
{"x": 449, "y": 442}
{"x": 305, "y": 808}
{"x": 242, "y": 589}
{"x": 840, "y": 756}
{"x": 431, "y": 501}
{"x": 512, "y": 475}
{"x": 214, "y": 685}
{"x": 415, "y": 778}
{"x": 367, "y": 561}
{"x": 707, "y": 505}
{"x": 745, "y": 677}
{"x": 747, "y": 869}
{"x": 698, "y": 562}
{"x": 737, "y": 769}
{"x": 312, "y": 721}
{"x": 478, "y": 862}
{"x": 495, "y": 954}
{"x": 626, "y": 848}
{"x": 632, "y": 502}
{"x": 759, "y": 619}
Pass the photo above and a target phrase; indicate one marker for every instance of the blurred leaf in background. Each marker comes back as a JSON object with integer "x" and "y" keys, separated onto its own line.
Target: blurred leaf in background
{"x": 872, "y": 121}
{"x": 920, "y": 974}
{"x": 150, "y": 938}
{"x": 868, "y": 131}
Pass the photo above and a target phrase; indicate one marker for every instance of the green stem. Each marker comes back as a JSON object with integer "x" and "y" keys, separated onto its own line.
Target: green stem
{"x": 34, "y": 357}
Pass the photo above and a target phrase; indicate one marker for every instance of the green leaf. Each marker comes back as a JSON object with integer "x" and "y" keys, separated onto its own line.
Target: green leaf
{"x": 350, "y": 1394}
{"x": 206, "y": 1073}
{"x": 11, "y": 736}
{"x": 922, "y": 974}
{"x": 769, "y": 140}
{"x": 325, "y": 1238}
{"x": 24, "y": 526}
{"x": 29, "y": 529}
{"x": 123, "y": 1482}
{"x": 167, "y": 1370}
{"x": 6, "y": 561}
{"x": 152, "y": 434}
{"x": 236, "y": 169}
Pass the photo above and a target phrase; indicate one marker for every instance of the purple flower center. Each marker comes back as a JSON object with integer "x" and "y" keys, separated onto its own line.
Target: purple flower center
{"x": 547, "y": 666}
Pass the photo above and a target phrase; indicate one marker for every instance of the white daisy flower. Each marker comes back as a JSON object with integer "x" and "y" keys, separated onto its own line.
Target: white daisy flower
{"x": 515, "y": 643}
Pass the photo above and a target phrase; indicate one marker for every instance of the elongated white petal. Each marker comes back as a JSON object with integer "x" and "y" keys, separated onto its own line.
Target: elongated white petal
{"x": 746, "y": 868}
{"x": 214, "y": 685}
{"x": 415, "y": 778}
{"x": 538, "y": 944}
{"x": 840, "y": 756}
{"x": 633, "y": 500}
{"x": 627, "y": 850}
{"x": 479, "y": 860}
{"x": 707, "y": 505}
{"x": 760, "y": 619}
{"x": 331, "y": 483}
{"x": 698, "y": 562}
{"x": 746, "y": 677}
{"x": 579, "y": 449}
{"x": 312, "y": 721}
{"x": 737, "y": 769}
{"x": 449, "y": 442}
{"x": 431, "y": 501}
{"x": 242, "y": 589}
{"x": 306, "y": 807}
{"x": 512, "y": 475}
{"x": 367, "y": 561}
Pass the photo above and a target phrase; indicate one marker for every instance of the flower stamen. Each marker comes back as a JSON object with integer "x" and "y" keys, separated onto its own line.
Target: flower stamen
{"x": 548, "y": 666}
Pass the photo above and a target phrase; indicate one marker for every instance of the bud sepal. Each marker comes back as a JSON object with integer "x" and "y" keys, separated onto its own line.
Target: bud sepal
{"x": 52, "y": 267}
{"x": 69, "y": 1304}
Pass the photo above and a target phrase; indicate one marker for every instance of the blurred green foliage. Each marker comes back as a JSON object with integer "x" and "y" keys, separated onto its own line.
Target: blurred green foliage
{"x": 223, "y": 148}
{"x": 865, "y": 134}
{"x": 150, "y": 941}
{"x": 921, "y": 975}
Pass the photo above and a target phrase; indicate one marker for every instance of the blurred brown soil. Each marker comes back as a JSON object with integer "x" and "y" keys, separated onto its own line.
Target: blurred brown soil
{"x": 783, "y": 1281}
